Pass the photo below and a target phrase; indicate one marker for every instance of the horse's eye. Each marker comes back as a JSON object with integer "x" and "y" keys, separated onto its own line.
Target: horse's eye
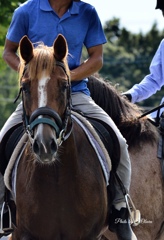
{"x": 64, "y": 86}
{"x": 26, "y": 87}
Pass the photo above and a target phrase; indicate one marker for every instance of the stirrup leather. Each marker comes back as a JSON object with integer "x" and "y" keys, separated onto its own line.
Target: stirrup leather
{"x": 135, "y": 215}
{"x": 3, "y": 229}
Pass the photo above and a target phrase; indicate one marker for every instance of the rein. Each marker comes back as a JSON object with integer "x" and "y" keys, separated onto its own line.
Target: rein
{"x": 51, "y": 118}
{"x": 152, "y": 110}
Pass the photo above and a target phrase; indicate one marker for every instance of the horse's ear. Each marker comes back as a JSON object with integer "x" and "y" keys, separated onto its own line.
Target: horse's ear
{"x": 60, "y": 47}
{"x": 26, "y": 49}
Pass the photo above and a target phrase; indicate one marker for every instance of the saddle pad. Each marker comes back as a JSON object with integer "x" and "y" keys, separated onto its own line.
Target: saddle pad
{"x": 96, "y": 143}
{"x": 13, "y": 163}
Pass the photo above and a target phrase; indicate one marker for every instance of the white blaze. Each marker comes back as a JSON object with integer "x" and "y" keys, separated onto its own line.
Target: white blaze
{"x": 42, "y": 90}
{"x": 42, "y": 102}
{"x": 42, "y": 99}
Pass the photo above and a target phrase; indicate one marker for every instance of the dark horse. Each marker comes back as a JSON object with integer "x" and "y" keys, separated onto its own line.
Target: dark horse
{"x": 61, "y": 191}
{"x": 147, "y": 189}
{"x": 60, "y": 187}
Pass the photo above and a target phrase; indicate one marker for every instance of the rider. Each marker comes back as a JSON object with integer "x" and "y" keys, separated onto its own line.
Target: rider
{"x": 79, "y": 23}
{"x": 155, "y": 79}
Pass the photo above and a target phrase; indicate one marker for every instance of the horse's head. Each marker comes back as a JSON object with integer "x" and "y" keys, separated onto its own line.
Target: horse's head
{"x": 46, "y": 95}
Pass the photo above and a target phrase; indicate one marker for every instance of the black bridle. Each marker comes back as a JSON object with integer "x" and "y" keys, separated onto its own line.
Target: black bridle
{"x": 46, "y": 115}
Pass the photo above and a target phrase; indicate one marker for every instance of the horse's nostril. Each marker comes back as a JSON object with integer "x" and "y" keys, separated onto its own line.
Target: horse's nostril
{"x": 36, "y": 147}
{"x": 53, "y": 146}
{"x": 44, "y": 149}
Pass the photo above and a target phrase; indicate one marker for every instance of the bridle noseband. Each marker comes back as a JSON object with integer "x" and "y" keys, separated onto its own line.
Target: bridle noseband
{"x": 34, "y": 120}
{"x": 46, "y": 115}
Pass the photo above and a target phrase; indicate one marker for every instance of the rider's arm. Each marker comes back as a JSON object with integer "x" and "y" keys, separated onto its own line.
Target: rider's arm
{"x": 152, "y": 82}
{"x": 91, "y": 65}
{"x": 10, "y": 54}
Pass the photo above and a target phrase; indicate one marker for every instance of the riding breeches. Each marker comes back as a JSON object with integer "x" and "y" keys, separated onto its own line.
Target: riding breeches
{"x": 86, "y": 105}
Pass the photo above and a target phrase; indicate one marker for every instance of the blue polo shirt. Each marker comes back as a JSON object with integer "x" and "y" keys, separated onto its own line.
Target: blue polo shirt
{"x": 80, "y": 25}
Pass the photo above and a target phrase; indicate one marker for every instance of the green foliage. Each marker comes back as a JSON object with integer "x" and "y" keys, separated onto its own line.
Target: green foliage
{"x": 2, "y": 63}
{"x": 8, "y": 92}
{"x": 8, "y": 83}
{"x": 127, "y": 56}
{"x": 3, "y": 31}
{"x": 7, "y": 8}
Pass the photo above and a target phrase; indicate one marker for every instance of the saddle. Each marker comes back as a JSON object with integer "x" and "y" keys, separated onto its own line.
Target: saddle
{"x": 8, "y": 144}
{"x": 109, "y": 139}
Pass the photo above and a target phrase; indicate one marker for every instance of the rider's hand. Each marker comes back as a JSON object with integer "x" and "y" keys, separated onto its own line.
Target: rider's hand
{"x": 128, "y": 96}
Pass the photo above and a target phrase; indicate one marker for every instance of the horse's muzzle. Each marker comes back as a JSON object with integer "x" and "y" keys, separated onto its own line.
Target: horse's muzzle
{"x": 45, "y": 146}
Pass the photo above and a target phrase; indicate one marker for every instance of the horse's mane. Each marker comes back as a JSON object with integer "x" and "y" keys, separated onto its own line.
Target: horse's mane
{"x": 124, "y": 113}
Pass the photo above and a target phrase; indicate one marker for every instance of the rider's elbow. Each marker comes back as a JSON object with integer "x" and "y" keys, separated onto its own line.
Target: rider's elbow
{"x": 6, "y": 56}
{"x": 99, "y": 63}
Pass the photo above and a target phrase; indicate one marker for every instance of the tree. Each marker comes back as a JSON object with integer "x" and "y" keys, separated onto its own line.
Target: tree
{"x": 127, "y": 56}
{"x": 7, "y": 8}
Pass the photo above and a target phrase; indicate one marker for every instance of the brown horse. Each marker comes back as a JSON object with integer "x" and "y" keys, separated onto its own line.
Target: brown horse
{"x": 61, "y": 191}
{"x": 147, "y": 189}
{"x": 60, "y": 186}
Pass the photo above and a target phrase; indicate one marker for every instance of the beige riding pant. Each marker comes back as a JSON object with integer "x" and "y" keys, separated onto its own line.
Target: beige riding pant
{"x": 86, "y": 105}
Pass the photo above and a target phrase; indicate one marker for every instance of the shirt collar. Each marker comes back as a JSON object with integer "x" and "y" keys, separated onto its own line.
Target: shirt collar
{"x": 74, "y": 9}
{"x": 45, "y": 6}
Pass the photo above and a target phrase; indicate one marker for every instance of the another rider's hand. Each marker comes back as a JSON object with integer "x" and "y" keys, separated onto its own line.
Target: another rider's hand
{"x": 128, "y": 96}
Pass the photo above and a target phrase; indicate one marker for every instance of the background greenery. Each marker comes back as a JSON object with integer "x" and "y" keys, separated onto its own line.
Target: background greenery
{"x": 127, "y": 57}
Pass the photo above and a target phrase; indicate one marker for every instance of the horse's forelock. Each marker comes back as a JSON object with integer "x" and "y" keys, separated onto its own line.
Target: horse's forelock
{"x": 43, "y": 60}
